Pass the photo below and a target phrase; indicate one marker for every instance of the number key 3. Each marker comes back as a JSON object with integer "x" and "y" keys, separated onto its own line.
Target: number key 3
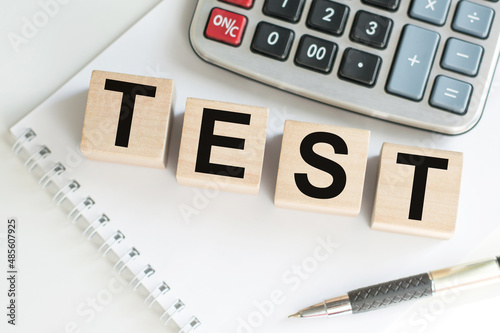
{"x": 371, "y": 29}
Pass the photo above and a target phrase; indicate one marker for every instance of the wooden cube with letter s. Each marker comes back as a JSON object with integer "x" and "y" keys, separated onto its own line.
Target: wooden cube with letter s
{"x": 222, "y": 143}
{"x": 322, "y": 168}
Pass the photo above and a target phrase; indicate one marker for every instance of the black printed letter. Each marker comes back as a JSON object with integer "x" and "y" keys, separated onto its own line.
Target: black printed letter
{"x": 422, "y": 165}
{"x": 322, "y": 163}
{"x": 129, "y": 90}
{"x": 208, "y": 139}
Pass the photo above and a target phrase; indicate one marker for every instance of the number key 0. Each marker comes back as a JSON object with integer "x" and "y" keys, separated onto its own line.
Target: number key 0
{"x": 371, "y": 29}
{"x": 272, "y": 41}
{"x": 316, "y": 54}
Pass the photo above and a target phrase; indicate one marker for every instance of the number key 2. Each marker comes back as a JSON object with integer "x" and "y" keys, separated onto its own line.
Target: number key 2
{"x": 328, "y": 16}
{"x": 371, "y": 29}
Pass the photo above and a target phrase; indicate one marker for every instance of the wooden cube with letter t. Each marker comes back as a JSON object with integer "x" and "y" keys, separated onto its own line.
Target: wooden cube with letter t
{"x": 322, "y": 168}
{"x": 127, "y": 119}
{"x": 417, "y": 191}
{"x": 222, "y": 146}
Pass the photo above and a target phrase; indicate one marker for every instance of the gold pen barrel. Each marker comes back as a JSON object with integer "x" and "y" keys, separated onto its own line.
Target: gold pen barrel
{"x": 465, "y": 276}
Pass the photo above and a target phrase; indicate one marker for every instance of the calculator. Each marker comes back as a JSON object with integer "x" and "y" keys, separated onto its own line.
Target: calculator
{"x": 423, "y": 63}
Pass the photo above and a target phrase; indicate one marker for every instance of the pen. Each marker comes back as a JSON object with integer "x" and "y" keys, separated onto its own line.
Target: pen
{"x": 433, "y": 283}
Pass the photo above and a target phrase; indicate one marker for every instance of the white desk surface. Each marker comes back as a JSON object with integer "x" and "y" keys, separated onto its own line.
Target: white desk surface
{"x": 75, "y": 33}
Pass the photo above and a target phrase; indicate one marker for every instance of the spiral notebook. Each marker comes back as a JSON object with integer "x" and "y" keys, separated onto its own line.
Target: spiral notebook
{"x": 207, "y": 260}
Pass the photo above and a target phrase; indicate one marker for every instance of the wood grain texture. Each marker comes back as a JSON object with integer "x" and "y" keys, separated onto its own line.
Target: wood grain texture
{"x": 348, "y": 202}
{"x": 247, "y": 155}
{"x": 395, "y": 190}
{"x": 150, "y": 127}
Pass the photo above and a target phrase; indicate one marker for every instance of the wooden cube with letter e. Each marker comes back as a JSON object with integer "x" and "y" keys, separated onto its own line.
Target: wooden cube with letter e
{"x": 322, "y": 168}
{"x": 418, "y": 191}
{"x": 222, "y": 145}
{"x": 128, "y": 119}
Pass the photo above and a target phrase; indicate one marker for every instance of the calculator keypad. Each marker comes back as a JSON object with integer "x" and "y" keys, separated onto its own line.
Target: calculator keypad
{"x": 462, "y": 57}
{"x": 450, "y": 94}
{"x": 371, "y": 29}
{"x": 473, "y": 19}
{"x": 405, "y": 61}
{"x": 385, "y": 4}
{"x": 241, "y": 3}
{"x": 226, "y": 27}
{"x": 360, "y": 67}
{"x": 272, "y": 41}
{"x": 328, "y": 16}
{"x": 413, "y": 62}
{"x": 431, "y": 11}
{"x": 316, "y": 54}
{"x": 288, "y": 10}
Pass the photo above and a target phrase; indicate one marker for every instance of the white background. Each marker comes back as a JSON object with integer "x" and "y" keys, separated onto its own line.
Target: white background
{"x": 52, "y": 53}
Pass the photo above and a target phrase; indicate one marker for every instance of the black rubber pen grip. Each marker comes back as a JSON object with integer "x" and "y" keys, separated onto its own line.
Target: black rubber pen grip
{"x": 388, "y": 293}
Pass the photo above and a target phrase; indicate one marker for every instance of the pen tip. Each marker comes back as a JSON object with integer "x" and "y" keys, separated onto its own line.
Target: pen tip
{"x": 295, "y": 315}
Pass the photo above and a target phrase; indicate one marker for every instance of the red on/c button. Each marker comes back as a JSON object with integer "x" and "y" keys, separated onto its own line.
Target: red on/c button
{"x": 226, "y": 27}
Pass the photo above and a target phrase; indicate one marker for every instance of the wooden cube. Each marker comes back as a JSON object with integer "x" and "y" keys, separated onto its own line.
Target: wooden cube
{"x": 322, "y": 168}
{"x": 127, "y": 119}
{"x": 417, "y": 191}
{"x": 222, "y": 146}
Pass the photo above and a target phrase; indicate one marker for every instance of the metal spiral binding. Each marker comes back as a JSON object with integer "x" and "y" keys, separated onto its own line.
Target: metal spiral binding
{"x": 37, "y": 157}
{"x": 161, "y": 290}
{"x": 145, "y": 273}
{"x": 191, "y": 325}
{"x": 80, "y": 208}
{"x": 72, "y": 186}
{"x": 112, "y": 241}
{"x": 99, "y": 222}
{"x": 63, "y": 193}
{"x": 176, "y": 307}
{"x": 126, "y": 259}
{"x": 22, "y": 140}
{"x": 56, "y": 170}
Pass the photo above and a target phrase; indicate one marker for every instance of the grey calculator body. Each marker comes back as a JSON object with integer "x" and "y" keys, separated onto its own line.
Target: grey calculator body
{"x": 429, "y": 94}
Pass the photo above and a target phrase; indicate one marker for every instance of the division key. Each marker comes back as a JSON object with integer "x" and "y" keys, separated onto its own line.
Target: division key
{"x": 413, "y": 62}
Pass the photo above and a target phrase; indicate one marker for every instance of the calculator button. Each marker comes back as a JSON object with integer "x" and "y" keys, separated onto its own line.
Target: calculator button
{"x": 272, "y": 41}
{"x": 450, "y": 94}
{"x": 462, "y": 57}
{"x": 391, "y": 5}
{"x": 288, "y": 10}
{"x": 226, "y": 27}
{"x": 241, "y": 3}
{"x": 360, "y": 67}
{"x": 328, "y": 16}
{"x": 316, "y": 54}
{"x": 413, "y": 62}
{"x": 432, "y": 11}
{"x": 473, "y": 19}
{"x": 371, "y": 29}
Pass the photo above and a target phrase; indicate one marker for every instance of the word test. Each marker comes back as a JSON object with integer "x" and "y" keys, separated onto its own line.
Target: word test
{"x": 321, "y": 167}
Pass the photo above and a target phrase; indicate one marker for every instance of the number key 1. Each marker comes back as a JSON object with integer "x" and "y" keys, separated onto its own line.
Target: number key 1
{"x": 371, "y": 29}
{"x": 288, "y": 10}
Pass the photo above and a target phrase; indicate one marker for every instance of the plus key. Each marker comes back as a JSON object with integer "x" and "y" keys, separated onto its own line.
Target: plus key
{"x": 413, "y": 62}
{"x": 226, "y": 27}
